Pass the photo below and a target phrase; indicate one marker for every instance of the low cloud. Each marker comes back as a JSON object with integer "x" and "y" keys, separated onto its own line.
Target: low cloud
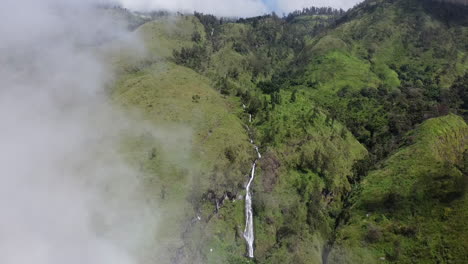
{"x": 67, "y": 194}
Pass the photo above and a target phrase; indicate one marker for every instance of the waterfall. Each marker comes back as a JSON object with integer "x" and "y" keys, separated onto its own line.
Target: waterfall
{"x": 249, "y": 231}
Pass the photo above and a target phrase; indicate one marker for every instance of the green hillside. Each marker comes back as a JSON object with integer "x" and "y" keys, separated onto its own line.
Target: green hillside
{"x": 214, "y": 155}
{"x": 359, "y": 116}
{"x": 413, "y": 208}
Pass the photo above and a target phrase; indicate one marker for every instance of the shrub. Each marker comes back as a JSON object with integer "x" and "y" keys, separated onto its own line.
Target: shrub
{"x": 374, "y": 234}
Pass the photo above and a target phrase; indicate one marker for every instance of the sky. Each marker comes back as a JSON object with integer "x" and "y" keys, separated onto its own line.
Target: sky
{"x": 240, "y": 8}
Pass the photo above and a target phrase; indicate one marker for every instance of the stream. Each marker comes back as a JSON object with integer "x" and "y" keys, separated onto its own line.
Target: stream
{"x": 249, "y": 230}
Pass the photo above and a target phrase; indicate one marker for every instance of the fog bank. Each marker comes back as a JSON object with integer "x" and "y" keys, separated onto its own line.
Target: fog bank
{"x": 66, "y": 193}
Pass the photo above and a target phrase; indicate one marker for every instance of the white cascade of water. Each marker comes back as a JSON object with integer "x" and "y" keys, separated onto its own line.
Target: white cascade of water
{"x": 249, "y": 230}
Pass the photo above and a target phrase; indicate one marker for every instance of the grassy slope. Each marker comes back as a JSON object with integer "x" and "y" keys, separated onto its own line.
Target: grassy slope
{"x": 283, "y": 193}
{"x": 292, "y": 219}
{"x": 227, "y": 59}
{"x": 305, "y": 153}
{"x": 168, "y": 33}
{"x": 388, "y": 34}
{"x": 179, "y": 101}
{"x": 414, "y": 208}
{"x": 380, "y": 46}
{"x": 364, "y": 52}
